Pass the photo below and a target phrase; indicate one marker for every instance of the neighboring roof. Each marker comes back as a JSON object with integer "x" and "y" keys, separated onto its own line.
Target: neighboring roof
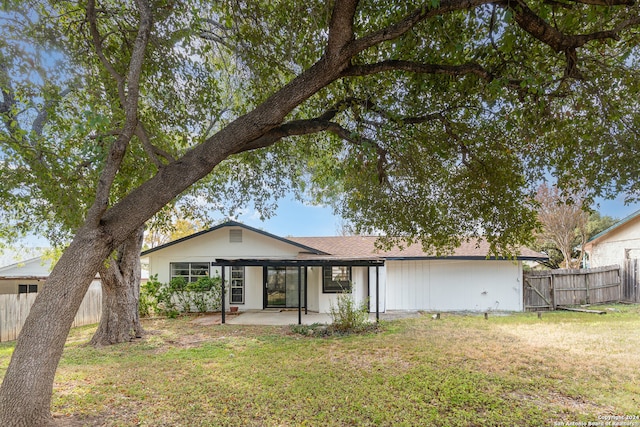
{"x": 618, "y": 224}
{"x": 29, "y": 268}
{"x": 13, "y": 256}
{"x": 233, "y": 224}
{"x": 352, "y": 248}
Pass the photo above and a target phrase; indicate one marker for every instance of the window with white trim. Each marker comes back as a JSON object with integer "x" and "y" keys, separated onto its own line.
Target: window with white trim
{"x": 237, "y": 285}
{"x": 189, "y": 271}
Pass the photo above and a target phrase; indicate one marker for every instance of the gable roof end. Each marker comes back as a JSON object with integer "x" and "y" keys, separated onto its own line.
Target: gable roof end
{"x": 614, "y": 226}
{"x": 235, "y": 224}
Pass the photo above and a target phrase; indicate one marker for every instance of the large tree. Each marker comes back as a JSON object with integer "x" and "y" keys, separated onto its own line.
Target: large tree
{"x": 425, "y": 121}
{"x": 56, "y": 128}
{"x": 564, "y": 220}
{"x": 50, "y": 169}
{"x": 566, "y": 225}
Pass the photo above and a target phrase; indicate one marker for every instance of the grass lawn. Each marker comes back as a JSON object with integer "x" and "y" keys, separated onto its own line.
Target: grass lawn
{"x": 563, "y": 369}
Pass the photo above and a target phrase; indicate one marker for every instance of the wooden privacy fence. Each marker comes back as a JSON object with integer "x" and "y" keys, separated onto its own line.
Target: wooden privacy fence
{"x": 15, "y": 308}
{"x": 546, "y": 290}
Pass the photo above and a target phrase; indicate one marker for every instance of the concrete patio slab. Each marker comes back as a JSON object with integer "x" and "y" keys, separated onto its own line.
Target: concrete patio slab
{"x": 290, "y": 317}
{"x": 277, "y": 318}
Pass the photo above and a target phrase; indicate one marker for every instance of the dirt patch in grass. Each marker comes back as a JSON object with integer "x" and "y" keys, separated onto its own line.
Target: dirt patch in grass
{"x": 212, "y": 319}
{"x": 559, "y": 400}
{"x": 60, "y": 420}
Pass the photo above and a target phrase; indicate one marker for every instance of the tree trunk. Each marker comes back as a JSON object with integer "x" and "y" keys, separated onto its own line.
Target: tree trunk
{"x": 120, "y": 277}
{"x": 25, "y": 394}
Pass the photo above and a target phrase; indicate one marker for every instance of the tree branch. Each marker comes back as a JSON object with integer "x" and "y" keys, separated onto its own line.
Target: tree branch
{"x": 8, "y": 96}
{"x": 341, "y": 27}
{"x": 154, "y": 153}
{"x": 606, "y": 2}
{"x": 414, "y": 67}
{"x": 208, "y": 34}
{"x": 419, "y": 14}
{"x": 533, "y": 24}
{"x": 118, "y": 148}
{"x": 97, "y": 44}
{"x": 41, "y": 119}
{"x": 346, "y": 135}
{"x": 293, "y": 128}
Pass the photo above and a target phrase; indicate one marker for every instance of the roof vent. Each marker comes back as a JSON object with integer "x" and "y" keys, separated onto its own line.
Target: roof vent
{"x": 235, "y": 236}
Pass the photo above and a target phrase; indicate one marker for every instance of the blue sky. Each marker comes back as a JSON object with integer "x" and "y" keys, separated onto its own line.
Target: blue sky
{"x": 293, "y": 218}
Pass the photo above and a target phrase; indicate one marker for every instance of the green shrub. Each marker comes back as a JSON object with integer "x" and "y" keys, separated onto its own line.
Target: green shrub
{"x": 205, "y": 294}
{"x": 180, "y": 297}
{"x": 347, "y": 316}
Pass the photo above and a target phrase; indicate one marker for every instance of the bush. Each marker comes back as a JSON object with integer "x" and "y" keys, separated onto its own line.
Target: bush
{"x": 179, "y": 296}
{"x": 205, "y": 294}
{"x": 347, "y": 316}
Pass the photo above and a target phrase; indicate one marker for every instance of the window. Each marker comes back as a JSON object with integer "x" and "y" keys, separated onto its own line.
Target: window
{"x": 337, "y": 279}
{"x": 237, "y": 285}
{"x": 190, "y": 271}
{"x": 27, "y": 289}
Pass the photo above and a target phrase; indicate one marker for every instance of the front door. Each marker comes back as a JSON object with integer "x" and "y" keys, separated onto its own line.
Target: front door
{"x": 281, "y": 287}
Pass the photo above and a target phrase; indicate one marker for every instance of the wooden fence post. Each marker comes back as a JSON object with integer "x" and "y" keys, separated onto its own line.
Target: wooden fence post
{"x": 586, "y": 285}
{"x": 552, "y": 293}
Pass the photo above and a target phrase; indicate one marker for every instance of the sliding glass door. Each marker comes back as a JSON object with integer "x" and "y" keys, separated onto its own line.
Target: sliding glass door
{"x": 281, "y": 287}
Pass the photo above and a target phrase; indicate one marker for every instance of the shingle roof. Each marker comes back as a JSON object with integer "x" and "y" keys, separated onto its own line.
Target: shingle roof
{"x": 360, "y": 247}
{"x": 364, "y": 247}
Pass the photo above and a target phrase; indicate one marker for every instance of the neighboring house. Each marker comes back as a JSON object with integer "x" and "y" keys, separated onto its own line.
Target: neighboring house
{"x": 617, "y": 243}
{"x": 265, "y": 271}
{"x": 25, "y": 276}
{"x": 28, "y": 276}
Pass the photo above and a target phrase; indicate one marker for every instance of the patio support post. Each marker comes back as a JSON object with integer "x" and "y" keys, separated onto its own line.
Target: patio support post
{"x": 377, "y": 294}
{"x": 223, "y": 286}
{"x": 299, "y": 296}
{"x": 306, "y": 289}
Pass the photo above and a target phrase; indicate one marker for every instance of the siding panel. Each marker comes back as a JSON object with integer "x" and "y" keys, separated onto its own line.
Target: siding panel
{"x": 454, "y": 285}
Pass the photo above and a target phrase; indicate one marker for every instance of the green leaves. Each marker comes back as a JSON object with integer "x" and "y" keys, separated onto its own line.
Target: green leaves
{"x": 435, "y": 153}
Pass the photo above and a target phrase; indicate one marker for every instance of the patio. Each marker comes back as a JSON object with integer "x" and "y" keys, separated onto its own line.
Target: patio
{"x": 287, "y": 317}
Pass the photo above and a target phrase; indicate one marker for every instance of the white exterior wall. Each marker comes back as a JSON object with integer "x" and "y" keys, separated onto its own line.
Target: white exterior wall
{"x": 450, "y": 285}
{"x": 314, "y": 288}
{"x": 382, "y": 278}
{"x": 252, "y": 286}
{"x": 360, "y": 288}
{"x": 253, "y": 299}
{"x": 619, "y": 244}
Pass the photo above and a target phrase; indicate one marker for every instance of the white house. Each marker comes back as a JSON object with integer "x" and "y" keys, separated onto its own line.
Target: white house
{"x": 617, "y": 243}
{"x": 28, "y": 276}
{"x": 265, "y": 271}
